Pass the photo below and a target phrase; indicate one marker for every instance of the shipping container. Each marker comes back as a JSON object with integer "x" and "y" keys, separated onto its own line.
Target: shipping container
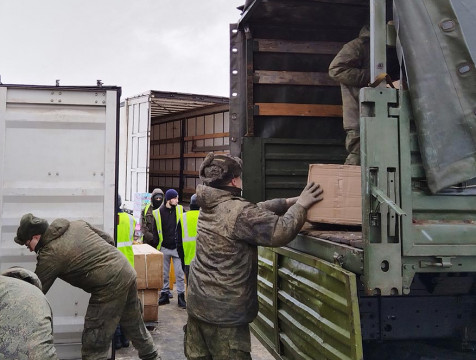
{"x": 168, "y": 136}
{"x": 57, "y": 159}
{"x": 409, "y": 272}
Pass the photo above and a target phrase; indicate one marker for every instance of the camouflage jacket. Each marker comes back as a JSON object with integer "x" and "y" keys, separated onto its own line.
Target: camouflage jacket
{"x": 222, "y": 287}
{"x": 84, "y": 257}
{"x": 351, "y": 68}
{"x": 26, "y": 329}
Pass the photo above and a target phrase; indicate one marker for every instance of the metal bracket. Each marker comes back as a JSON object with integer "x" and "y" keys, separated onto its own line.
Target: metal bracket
{"x": 442, "y": 261}
{"x": 384, "y": 199}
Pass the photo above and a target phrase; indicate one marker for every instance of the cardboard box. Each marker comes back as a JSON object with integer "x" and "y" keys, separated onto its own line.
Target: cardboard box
{"x": 148, "y": 296}
{"x": 342, "y": 202}
{"x": 150, "y": 313}
{"x": 149, "y": 299}
{"x": 148, "y": 263}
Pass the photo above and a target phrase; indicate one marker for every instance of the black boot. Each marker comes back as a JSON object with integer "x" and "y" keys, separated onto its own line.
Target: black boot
{"x": 181, "y": 301}
{"x": 164, "y": 298}
{"x": 117, "y": 339}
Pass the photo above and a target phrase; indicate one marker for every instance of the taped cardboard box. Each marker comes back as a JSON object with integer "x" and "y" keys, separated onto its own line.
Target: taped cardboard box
{"x": 148, "y": 263}
{"x": 149, "y": 301}
{"x": 342, "y": 202}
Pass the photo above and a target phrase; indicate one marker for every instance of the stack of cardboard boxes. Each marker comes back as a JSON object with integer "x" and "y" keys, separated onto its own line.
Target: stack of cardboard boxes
{"x": 148, "y": 263}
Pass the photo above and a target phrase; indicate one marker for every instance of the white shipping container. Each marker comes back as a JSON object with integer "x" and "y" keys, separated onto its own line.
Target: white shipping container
{"x": 58, "y": 159}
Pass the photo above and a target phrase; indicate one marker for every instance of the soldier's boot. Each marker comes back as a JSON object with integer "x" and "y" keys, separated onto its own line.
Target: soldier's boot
{"x": 164, "y": 298}
{"x": 181, "y": 301}
{"x": 124, "y": 341}
{"x": 117, "y": 339}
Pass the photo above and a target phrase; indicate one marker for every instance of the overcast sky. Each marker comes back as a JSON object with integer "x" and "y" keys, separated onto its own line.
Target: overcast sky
{"x": 140, "y": 45}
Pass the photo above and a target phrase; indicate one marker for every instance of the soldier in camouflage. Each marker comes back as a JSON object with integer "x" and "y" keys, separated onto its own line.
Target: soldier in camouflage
{"x": 222, "y": 291}
{"x": 85, "y": 257}
{"x": 351, "y": 68}
{"x": 26, "y": 321}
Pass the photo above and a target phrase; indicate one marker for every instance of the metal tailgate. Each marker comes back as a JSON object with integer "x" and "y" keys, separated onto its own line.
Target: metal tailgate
{"x": 308, "y": 307}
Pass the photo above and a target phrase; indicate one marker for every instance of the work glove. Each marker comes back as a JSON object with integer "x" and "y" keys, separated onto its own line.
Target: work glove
{"x": 311, "y": 194}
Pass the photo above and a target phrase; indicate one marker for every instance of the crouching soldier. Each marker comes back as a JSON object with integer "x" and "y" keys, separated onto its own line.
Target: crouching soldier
{"x": 85, "y": 257}
{"x": 26, "y": 321}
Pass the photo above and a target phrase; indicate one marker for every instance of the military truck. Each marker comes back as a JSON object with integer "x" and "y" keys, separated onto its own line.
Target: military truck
{"x": 408, "y": 273}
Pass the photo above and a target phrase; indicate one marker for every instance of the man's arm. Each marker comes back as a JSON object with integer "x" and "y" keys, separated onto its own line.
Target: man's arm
{"x": 260, "y": 226}
{"x": 48, "y": 267}
{"x": 348, "y": 68}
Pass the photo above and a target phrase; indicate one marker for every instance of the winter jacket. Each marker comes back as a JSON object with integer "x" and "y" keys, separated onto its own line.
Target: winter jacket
{"x": 84, "y": 257}
{"x": 26, "y": 329}
{"x": 351, "y": 68}
{"x": 222, "y": 287}
{"x": 147, "y": 220}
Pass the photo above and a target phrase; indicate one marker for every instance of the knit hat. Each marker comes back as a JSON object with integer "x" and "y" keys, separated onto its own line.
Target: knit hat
{"x": 219, "y": 170}
{"x": 170, "y": 194}
{"x": 30, "y": 225}
{"x": 23, "y": 274}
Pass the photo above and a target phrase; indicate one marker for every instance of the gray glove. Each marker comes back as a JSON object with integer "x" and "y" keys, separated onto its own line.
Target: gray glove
{"x": 311, "y": 194}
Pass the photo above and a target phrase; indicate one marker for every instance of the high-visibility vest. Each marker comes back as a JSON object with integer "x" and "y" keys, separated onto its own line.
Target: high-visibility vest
{"x": 145, "y": 214}
{"x": 125, "y": 235}
{"x": 158, "y": 222}
{"x": 189, "y": 234}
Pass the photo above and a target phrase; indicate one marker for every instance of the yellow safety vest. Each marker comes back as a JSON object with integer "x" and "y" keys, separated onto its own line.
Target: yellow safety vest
{"x": 158, "y": 221}
{"x": 189, "y": 234}
{"x": 125, "y": 235}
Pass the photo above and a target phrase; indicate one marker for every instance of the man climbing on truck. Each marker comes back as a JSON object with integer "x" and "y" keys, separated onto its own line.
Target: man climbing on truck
{"x": 351, "y": 68}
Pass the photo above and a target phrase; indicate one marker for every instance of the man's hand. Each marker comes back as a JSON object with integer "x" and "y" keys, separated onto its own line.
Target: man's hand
{"x": 311, "y": 194}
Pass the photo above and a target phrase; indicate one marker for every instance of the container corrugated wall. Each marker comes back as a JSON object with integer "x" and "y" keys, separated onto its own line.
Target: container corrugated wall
{"x": 177, "y": 148}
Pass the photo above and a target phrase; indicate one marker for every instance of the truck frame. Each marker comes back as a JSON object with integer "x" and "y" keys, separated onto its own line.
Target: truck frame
{"x": 409, "y": 272}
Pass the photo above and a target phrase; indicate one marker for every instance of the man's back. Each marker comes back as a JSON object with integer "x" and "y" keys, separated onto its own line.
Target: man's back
{"x": 25, "y": 323}
{"x": 76, "y": 253}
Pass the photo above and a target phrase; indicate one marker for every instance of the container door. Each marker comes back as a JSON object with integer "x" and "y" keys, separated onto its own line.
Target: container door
{"x": 58, "y": 159}
{"x": 138, "y": 138}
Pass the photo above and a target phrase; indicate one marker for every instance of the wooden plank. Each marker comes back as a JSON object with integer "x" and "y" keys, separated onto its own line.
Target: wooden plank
{"x": 162, "y": 157}
{"x": 207, "y": 136}
{"x": 165, "y": 173}
{"x": 299, "y": 47}
{"x": 190, "y": 173}
{"x": 201, "y": 154}
{"x": 283, "y": 109}
{"x": 165, "y": 141}
{"x": 294, "y": 78}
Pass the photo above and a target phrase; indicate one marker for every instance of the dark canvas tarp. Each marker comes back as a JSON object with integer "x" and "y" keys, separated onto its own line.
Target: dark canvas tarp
{"x": 442, "y": 84}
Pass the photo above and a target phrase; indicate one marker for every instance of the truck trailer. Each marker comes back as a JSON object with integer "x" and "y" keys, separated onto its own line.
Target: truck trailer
{"x": 407, "y": 275}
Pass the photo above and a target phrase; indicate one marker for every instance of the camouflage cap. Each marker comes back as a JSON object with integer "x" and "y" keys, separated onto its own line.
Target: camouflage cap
{"x": 219, "y": 169}
{"x": 23, "y": 274}
{"x": 30, "y": 225}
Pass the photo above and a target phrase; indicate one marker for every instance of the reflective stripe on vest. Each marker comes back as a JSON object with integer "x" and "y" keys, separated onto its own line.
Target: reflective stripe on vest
{"x": 189, "y": 234}
{"x": 158, "y": 221}
{"x": 125, "y": 235}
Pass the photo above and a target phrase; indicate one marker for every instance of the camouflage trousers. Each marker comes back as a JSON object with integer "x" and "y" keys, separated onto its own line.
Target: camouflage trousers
{"x": 352, "y": 144}
{"x": 205, "y": 341}
{"x": 101, "y": 321}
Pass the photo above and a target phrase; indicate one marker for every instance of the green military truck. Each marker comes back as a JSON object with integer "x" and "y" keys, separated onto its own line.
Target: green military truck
{"x": 408, "y": 273}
